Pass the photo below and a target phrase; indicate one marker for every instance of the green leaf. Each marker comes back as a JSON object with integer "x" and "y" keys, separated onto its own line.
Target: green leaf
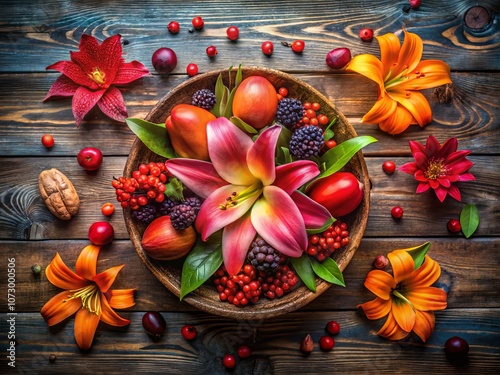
{"x": 202, "y": 261}
{"x": 328, "y": 271}
{"x": 239, "y": 77}
{"x": 418, "y": 253}
{"x": 328, "y": 133}
{"x": 324, "y": 227}
{"x": 154, "y": 136}
{"x": 243, "y": 125}
{"x": 304, "y": 269}
{"x": 284, "y": 156}
{"x": 228, "y": 111}
{"x": 469, "y": 220}
{"x": 219, "y": 91}
{"x": 174, "y": 189}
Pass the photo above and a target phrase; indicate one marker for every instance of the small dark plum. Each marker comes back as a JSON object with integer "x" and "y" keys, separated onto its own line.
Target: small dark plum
{"x": 164, "y": 60}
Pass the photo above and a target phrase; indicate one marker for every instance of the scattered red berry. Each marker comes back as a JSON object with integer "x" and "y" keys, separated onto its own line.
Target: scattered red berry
{"x": 173, "y": 27}
{"x": 454, "y": 226}
{"x": 330, "y": 144}
{"x": 332, "y": 327}
{"x": 189, "y": 332}
{"x": 381, "y": 262}
{"x": 283, "y": 91}
{"x": 232, "y": 32}
{"x": 267, "y": 47}
{"x": 229, "y": 361}
{"x": 298, "y": 46}
{"x": 415, "y": 3}
{"x": 89, "y": 158}
{"x": 338, "y": 58}
{"x": 154, "y": 323}
{"x": 101, "y": 233}
{"x": 397, "y": 212}
{"x": 192, "y": 69}
{"x": 47, "y": 140}
{"x": 366, "y": 34}
{"x": 326, "y": 343}
{"x": 322, "y": 245}
{"x": 244, "y": 351}
{"x": 108, "y": 209}
{"x": 456, "y": 348}
{"x": 389, "y": 167}
{"x": 198, "y": 23}
{"x": 211, "y": 51}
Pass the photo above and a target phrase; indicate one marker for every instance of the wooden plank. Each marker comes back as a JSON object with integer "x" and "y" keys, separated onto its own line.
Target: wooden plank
{"x": 472, "y": 115}
{"x": 33, "y": 28}
{"x": 275, "y": 344}
{"x": 469, "y": 273}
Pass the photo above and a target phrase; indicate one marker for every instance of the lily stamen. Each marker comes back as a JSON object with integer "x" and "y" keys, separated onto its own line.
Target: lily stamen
{"x": 98, "y": 76}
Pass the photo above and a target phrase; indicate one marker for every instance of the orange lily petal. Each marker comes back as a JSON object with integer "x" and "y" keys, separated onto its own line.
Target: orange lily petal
{"x": 416, "y": 103}
{"x": 380, "y": 283}
{"x": 61, "y": 276}
{"x": 426, "y": 274}
{"x": 86, "y": 263}
{"x": 404, "y": 314}
{"x": 85, "y": 327}
{"x": 398, "y": 122}
{"x": 391, "y": 330}
{"x": 402, "y": 264}
{"x": 109, "y": 316}
{"x": 382, "y": 109}
{"x": 424, "y": 324}
{"x": 56, "y": 310}
{"x": 370, "y": 67}
{"x": 120, "y": 298}
{"x": 389, "y": 52}
{"x": 105, "y": 279}
{"x": 427, "y": 298}
{"x": 410, "y": 53}
{"x": 431, "y": 73}
{"x": 377, "y": 308}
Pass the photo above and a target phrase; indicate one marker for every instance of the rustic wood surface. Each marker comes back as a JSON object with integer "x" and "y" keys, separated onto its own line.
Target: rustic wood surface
{"x": 37, "y": 33}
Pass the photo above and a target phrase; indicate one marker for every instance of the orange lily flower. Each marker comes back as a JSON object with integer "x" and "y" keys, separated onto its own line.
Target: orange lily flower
{"x": 400, "y": 75}
{"x": 407, "y": 298}
{"x": 87, "y": 294}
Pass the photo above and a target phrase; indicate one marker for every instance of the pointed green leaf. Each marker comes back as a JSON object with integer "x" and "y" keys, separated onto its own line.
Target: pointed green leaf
{"x": 239, "y": 77}
{"x": 328, "y": 133}
{"x": 418, "y": 253}
{"x": 328, "y": 271}
{"x": 334, "y": 269}
{"x": 219, "y": 91}
{"x": 304, "y": 269}
{"x": 243, "y": 125}
{"x": 324, "y": 227}
{"x": 469, "y": 220}
{"x": 174, "y": 189}
{"x": 154, "y": 136}
{"x": 338, "y": 156}
{"x": 284, "y": 156}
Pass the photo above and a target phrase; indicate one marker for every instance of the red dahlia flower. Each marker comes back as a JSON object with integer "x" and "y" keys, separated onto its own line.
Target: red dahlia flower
{"x": 439, "y": 167}
{"x": 90, "y": 77}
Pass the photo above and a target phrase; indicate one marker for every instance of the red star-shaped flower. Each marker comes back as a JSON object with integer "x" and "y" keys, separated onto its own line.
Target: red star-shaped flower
{"x": 91, "y": 75}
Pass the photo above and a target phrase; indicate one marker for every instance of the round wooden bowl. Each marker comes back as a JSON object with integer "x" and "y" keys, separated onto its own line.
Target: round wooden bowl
{"x": 206, "y": 297}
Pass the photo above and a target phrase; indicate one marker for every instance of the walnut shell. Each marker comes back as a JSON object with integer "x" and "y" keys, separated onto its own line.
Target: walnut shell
{"x": 58, "y": 193}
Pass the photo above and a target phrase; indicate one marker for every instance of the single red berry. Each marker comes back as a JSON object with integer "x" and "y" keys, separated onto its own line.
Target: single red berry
{"x": 456, "y": 348}
{"x": 232, "y": 32}
{"x": 381, "y": 262}
{"x": 267, "y": 47}
{"x": 198, "y": 23}
{"x": 229, "y": 361}
{"x": 107, "y": 209}
{"x": 326, "y": 343}
{"x": 47, "y": 140}
{"x": 283, "y": 91}
{"x": 298, "y": 46}
{"x": 330, "y": 143}
{"x": 454, "y": 226}
{"x": 189, "y": 332}
{"x": 389, "y": 167}
{"x": 366, "y": 34}
{"x": 211, "y": 51}
{"x": 192, "y": 69}
{"x": 397, "y": 212}
{"x": 244, "y": 351}
{"x": 338, "y": 58}
{"x": 332, "y": 327}
{"x": 173, "y": 27}
{"x": 154, "y": 323}
{"x": 415, "y": 3}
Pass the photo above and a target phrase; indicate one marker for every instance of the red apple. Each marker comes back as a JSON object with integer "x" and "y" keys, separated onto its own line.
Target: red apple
{"x": 101, "y": 233}
{"x": 90, "y": 158}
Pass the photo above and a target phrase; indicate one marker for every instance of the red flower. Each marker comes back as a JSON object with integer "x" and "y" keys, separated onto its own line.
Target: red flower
{"x": 90, "y": 75}
{"x": 439, "y": 167}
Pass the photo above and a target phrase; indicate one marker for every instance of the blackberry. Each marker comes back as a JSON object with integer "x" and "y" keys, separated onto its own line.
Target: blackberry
{"x": 166, "y": 206}
{"x": 306, "y": 142}
{"x": 194, "y": 202}
{"x": 204, "y": 98}
{"x": 290, "y": 112}
{"x": 144, "y": 214}
{"x": 264, "y": 257}
{"x": 182, "y": 216}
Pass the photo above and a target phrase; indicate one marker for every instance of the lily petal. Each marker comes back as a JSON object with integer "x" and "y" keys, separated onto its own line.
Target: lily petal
{"x": 83, "y": 101}
{"x": 120, "y": 298}
{"x": 105, "y": 279}
{"x": 260, "y": 157}
{"x": 380, "y": 283}
{"x": 87, "y": 262}
{"x": 61, "y": 276}
{"x": 398, "y": 122}
{"x": 426, "y": 275}
{"x": 389, "y": 52}
{"x": 236, "y": 240}
{"x": 85, "y": 327}
{"x": 377, "y": 308}
{"x": 113, "y": 105}
{"x": 427, "y": 298}
{"x": 314, "y": 214}
{"x": 391, "y": 330}
{"x": 410, "y": 53}
{"x": 291, "y": 176}
{"x": 59, "y": 308}
{"x": 381, "y": 110}
{"x": 431, "y": 73}
{"x": 129, "y": 72}
{"x": 370, "y": 67}
{"x": 278, "y": 220}
{"x": 228, "y": 146}
{"x": 74, "y": 72}
{"x": 199, "y": 176}
{"x": 424, "y": 324}
{"x": 109, "y": 316}
{"x": 62, "y": 86}
{"x": 416, "y": 103}
{"x": 404, "y": 314}
{"x": 402, "y": 265}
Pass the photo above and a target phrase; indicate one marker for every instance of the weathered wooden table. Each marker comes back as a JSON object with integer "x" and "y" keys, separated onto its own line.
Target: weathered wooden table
{"x": 35, "y": 34}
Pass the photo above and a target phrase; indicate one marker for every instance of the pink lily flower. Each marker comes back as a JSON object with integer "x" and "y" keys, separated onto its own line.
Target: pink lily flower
{"x": 246, "y": 194}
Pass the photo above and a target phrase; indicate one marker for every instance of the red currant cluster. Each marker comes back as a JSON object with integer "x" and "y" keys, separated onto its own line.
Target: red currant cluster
{"x": 322, "y": 245}
{"x": 147, "y": 183}
{"x": 279, "y": 283}
{"x": 238, "y": 289}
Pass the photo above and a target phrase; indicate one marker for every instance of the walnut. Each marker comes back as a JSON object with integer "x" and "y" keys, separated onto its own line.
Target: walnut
{"x": 58, "y": 193}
